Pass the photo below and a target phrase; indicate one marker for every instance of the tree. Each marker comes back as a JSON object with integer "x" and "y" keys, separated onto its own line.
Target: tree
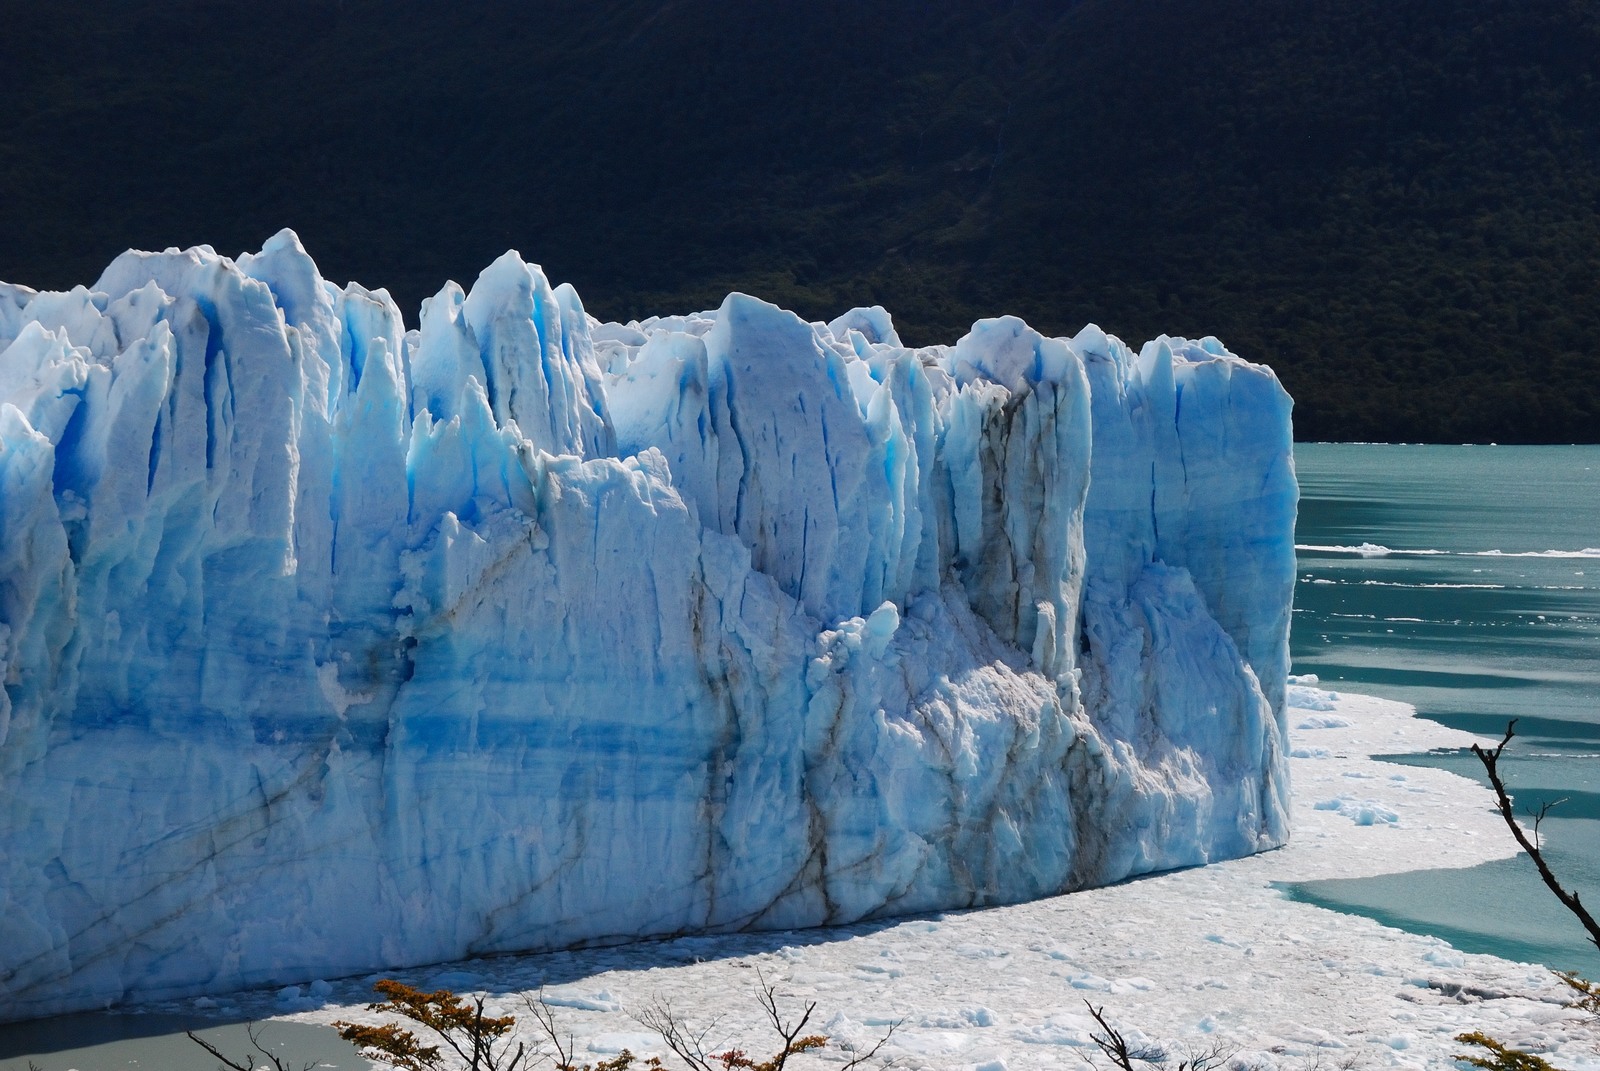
{"x": 690, "y": 1042}
{"x": 480, "y": 1041}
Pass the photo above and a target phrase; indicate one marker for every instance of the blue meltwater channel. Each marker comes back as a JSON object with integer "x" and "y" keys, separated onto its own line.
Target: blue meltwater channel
{"x": 1465, "y": 580}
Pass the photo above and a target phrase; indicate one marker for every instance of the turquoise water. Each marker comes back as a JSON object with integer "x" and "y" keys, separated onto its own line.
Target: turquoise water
{"x": 111, "y": 1041}
{"x": 1475, "y": 596}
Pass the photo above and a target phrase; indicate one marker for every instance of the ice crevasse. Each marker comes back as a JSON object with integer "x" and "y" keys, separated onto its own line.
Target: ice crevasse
{"x": 331, "y": 646}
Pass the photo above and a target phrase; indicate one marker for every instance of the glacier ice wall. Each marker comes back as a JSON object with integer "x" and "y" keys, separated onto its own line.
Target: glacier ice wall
{"x": 330, "y": 646}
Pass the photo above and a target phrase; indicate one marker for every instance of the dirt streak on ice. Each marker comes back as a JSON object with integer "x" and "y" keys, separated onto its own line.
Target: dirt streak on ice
{"x": 1212, "y": 953}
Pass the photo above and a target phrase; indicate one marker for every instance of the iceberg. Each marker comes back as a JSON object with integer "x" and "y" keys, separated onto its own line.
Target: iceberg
{"x": 331, "y": 646}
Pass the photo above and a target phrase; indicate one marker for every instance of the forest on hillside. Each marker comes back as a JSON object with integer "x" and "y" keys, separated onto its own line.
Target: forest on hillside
{"x": 1395, "y": 203}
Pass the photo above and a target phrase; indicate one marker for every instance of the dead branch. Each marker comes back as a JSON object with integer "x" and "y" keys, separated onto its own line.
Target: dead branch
{"x": 861, "y": 1058}
{"x": 793, "y": 1042}
{"x": 689, "y": 1044}
{"x": 1569, "y": 899}
{"x": 1115, "y": 1046}
{"x": 253, "y": 1032}
{"x": 545, "y": 1016}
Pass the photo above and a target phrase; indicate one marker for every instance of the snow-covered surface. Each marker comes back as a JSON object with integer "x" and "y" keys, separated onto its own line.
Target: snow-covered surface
{"x": 331, "y": 646}
{"x": 1189, "y": 958}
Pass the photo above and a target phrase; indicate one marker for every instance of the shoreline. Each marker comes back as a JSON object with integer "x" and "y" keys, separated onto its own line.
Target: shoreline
{"x": 1208, "y": 954}
{"x": 1185, "y": 959}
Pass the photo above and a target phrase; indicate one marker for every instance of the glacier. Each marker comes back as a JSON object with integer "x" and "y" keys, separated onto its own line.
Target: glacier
{"x": 331, "y": 646}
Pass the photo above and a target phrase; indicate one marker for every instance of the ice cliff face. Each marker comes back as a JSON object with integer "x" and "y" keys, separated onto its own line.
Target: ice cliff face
{"x": 330, "y": 646}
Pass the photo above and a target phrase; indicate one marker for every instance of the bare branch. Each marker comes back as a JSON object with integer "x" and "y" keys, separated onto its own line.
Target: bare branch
{"x": 1115, "y": 1046}
{"x": 862, "y": 1058}
{"x": 689, "y": 1044}
{"x": 253, "y": 1032}
{"x": 214, "y": 1051}
{"x": 1539, "y": 816}
{"x": 1569, "y": 899}
{"x": 1209, "y": 1058}
{"x": 768, "y": 998}
{"x": 545, "y": 1016}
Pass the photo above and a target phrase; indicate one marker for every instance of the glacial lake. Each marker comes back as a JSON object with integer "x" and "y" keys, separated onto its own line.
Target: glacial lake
{"x": 140, "y": 1041}
{"x": 1465, "y": 580}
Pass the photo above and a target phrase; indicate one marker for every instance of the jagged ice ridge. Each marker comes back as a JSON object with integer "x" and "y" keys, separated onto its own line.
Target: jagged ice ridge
{"x": 330, "y": 646}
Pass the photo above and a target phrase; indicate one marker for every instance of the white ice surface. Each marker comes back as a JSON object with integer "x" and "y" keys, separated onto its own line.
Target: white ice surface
{"x": 1187, "y": 958}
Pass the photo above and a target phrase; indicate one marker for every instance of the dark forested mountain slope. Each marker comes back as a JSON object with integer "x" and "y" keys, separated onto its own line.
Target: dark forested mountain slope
{"x": 1396, "y": 203}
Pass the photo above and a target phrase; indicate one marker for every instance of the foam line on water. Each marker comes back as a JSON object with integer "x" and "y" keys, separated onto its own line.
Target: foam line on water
{"x": 1378, "y": 550}
{"x": 1424, "y": 587}
{"x": 1446, "y": 587}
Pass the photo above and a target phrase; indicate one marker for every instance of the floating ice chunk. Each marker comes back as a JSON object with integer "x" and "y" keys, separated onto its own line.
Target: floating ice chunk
{"x": 1088, "y": 980}
{"x": 600, "y": 1000}
{"x": 1324, "y": 721}
{"x": 638, "y": 1042}
{"x": 1302, "y": 698}
{"x": 1361, "y": 812}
